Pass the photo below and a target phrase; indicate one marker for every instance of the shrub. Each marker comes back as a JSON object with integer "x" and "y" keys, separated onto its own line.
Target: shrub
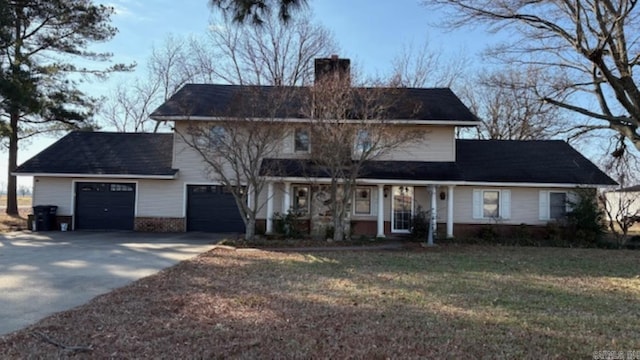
{"x": 287, "y": 225}
{"x": 420, "y": 225}
{"x": 585, "y": 220}
{"x": 488, "y": 233}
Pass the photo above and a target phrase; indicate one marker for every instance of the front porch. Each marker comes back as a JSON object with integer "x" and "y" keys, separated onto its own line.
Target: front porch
{"x": 375, "y": 209}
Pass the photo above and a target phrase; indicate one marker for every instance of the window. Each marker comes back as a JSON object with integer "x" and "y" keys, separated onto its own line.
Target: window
{"x": 557, "y": 205}
{"x": 553, "y": 205}
{"x": 121, "y": 187}
{"x": 301, "y": 140}
{"x": 491, "y": 204}
{"x": 217, "y": 136}
{"x": 301, "y": 200}
{"x": 363, "y": 141}
{"x": 362, "y": 201}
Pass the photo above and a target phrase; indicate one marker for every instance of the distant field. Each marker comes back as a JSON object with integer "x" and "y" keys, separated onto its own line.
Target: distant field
{"x": 22, "y": 201}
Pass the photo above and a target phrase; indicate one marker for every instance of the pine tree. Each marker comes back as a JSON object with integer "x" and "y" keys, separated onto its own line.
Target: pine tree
{"x": 42, "y": 43}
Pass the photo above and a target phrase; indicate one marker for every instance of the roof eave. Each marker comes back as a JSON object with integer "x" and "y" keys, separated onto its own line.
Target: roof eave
{"x": 98, "y": 176}
{"x": 306, "y": 120}
{"x": 374, "y": 181}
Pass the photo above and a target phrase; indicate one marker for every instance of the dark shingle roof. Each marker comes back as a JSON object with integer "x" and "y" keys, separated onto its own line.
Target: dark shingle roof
{"x": 535, "y": 161}
{"x": 391, "y": 170}
{"x": 104, "y": 153}
{"x": 210, "y": 100}
{"x": 497, "y": 161}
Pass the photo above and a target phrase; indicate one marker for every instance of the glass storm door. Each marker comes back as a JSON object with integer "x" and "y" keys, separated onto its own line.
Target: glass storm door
{"x": 402, "y": 209}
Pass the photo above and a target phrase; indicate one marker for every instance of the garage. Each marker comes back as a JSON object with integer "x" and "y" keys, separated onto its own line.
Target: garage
{"x": 105, "y": 206}
{"x": 212, "y": 208}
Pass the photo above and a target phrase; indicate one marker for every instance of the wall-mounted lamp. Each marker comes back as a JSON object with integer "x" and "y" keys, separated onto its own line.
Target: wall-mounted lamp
{"x": 386, "y": 191}
{"x": 443, "y": 195}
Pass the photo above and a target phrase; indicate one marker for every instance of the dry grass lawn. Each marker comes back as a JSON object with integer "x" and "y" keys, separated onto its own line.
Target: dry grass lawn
{"x": 447, "y": 302}
{"x": 13, "y": 223}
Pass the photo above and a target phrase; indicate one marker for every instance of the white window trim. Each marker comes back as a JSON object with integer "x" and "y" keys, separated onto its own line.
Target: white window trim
{"x": 355, "y": 194}
{"x": 544, "y": 203}
{"x": 504, "y": 204}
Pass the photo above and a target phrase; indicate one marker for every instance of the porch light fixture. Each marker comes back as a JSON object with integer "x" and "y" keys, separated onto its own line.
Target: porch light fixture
{"x": 443, "y": 195}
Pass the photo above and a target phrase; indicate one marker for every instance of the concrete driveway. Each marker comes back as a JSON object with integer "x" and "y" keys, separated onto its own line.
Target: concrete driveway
{"x": 43, "y": 273}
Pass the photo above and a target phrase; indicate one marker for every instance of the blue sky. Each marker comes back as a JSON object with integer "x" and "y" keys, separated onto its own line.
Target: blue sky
{"x": 370, "y": 32}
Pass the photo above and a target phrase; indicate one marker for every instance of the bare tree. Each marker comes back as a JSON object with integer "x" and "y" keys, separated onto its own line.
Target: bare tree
{"x": 589, "y": 45}
{"x": 169, "y": 67}
{"x": 257, "y": 10}
{"x": 352, "y": 129}
{"x": 506, "y": 103}
{"x": 234, "y": 146}
{"x": 622, "y": 208}
{"x": 271, "y": 54}
{"x": 233, "y": 53}
{"x": 424, "y": 66}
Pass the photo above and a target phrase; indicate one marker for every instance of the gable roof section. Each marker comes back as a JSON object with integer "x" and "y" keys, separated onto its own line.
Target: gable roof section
{"x": 535, "y": 161}
{"x": 197, "y": 101}
{"x": 105, "y": 154}
{"x": 552, "y": 162}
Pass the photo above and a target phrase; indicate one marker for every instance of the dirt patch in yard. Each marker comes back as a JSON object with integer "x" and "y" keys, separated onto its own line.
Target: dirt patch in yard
{"x": 454, "y": 302}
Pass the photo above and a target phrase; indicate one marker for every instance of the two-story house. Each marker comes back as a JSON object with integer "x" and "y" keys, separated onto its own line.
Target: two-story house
{"x": 156, "y": 182}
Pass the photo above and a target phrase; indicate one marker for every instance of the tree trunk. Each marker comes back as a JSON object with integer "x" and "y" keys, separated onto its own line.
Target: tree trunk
{"x": 250, "y": 228}
{"x": 12, "y": 200}
{"x": 336, "y": 211}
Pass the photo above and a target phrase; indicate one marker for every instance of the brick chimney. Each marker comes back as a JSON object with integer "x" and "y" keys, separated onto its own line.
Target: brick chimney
{"x": 332, "y": 68}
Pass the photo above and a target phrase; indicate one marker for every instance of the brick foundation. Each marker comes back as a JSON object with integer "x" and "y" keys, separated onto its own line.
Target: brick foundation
{"x": 502, "y": 230}
{"x": 157, "y": 224}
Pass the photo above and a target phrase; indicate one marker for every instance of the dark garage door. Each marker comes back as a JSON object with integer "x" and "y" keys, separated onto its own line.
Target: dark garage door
{"x": 105, "y": 206}
{"x": 212, "y": 209}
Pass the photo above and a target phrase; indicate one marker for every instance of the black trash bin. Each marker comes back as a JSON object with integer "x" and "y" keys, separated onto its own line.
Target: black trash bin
{"x": 44, "y": 217}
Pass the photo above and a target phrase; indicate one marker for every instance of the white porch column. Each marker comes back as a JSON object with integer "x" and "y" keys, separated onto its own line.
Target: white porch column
{"x": 434, "y": 216}
{"x": 380, "y": 211}
{"x": 286, "y": 200}
{"x": 269, "y": 208}
{"x": 450, "y": 211}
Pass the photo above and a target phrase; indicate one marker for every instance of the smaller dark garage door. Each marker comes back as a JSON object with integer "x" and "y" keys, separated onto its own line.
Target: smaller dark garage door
{"x": 211, "y": 208}
{"x": 105, "y": 206}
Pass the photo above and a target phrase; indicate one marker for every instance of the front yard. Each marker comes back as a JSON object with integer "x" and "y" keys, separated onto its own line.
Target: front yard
{"x": 444, "y": 302}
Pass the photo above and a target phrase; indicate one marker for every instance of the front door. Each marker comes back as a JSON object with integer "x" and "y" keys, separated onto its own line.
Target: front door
{"x": 402, "y": 209}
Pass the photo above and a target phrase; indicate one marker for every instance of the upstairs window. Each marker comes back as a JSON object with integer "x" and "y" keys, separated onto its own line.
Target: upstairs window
{"x": 363, "y": 141}
{"x": 301, "y": 140}
{"x": 217, "y": 136}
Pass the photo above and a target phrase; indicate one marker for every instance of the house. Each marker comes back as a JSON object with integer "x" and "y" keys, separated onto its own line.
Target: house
{"x": 622, "y": 205}
{"x": 156, "y": 182}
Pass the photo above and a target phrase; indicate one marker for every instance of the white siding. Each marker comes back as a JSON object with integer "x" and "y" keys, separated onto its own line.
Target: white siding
{"x": 155, "y": 198}
{"x": 524, "y": 205}
{"x": 53, "y": 191}
{"x": 438, "y": 144}
{"x": 160, "y": 198}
